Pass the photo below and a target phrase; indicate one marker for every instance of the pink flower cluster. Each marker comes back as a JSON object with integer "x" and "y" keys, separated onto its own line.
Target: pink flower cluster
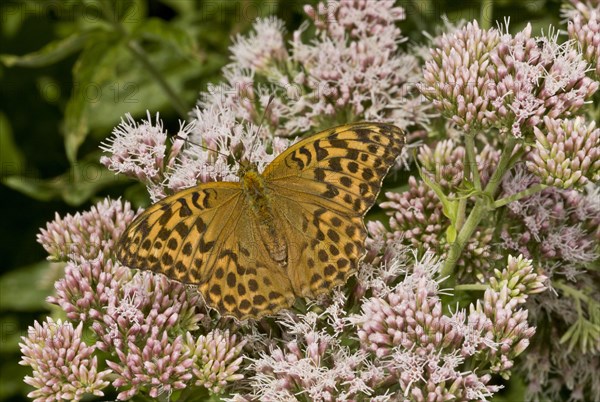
{"x": 86, "y": 234}
{"x": 406, "y": 345}
{"x": 352, "y": 70}
{"x": 486, "y": 78}
{"x": 556, "y": 224}
{"x": 147, "y": 326}
{"x": 64, "y": 367}
{"x": 567, "y": 153}
{"x": 584, "y": 28}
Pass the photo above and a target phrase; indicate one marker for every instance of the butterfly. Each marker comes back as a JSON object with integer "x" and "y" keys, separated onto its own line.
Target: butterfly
{"x": 294, "y": 230}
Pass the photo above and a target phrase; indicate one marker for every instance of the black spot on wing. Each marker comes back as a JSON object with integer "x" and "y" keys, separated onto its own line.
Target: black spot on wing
{"x": 319, "y": 174}
{"x": 205, "y": 200}
{"x": 297, "y": 160}
{"x": 320, "y": 151}
{"x": 204, "y": 246}
{"x": 332, "y": 191}
{"x": 362, "y": 132}
{"x": 335, "y": 164}
{"x": 184, "y": 210}
{"x": 165, "y": 216}
{"x": 195, "y": 198}
{"x": 163, "y": 234}
{"x": 182, "y": 229}
{"x": 307, "y": 154}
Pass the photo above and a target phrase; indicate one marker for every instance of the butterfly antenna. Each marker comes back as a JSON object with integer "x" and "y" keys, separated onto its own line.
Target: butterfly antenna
{"x": 262, "y": 119}
{"x": 187, "y": 140}
{"x": 232, "y": 155}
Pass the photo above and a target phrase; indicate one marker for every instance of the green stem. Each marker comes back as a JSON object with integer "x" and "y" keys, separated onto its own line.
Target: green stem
{"x": 141, "y": 55}
{"x": 573, "y": 292}
{"x": 486, "y": 14}
{"x": 472, "y": 161}
{"x": 478, "y": 212}
{"x": 472, "y": 286}
{"x": 503, "y": 165}
{"x": 460, "y": 213}
{"x": 462, "y": 238}
{"x": 517, "y": 196}
{"x": 517, "y": 155}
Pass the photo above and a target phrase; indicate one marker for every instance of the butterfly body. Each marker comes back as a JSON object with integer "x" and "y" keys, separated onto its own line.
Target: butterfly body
{"x": 296, "y": 229}
{"x": 256, "y": 191}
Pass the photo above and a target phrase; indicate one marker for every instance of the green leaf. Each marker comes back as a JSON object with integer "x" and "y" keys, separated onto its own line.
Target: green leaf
{"x": 43, "y": 190}
{"x": 94, "y": 67}
{"x": 75, "y": 186}
{"x": 10, "y": 154}
{"x": 451, "y": 234}
{"x": 170, "y": 34}
{"x": 12, "y": 19}
{"x": 76, "y": 126}
{"x": 22, "y": 289}
{"x": 135, "y": 90}
{"x": 49, "y": 54}
{"x": 11, "y": 333}
{"x": 449, "y": 206}
{"x": 11, "y": 380}
{"x": 573, "y": 335}
{"x": 132, "y": 13}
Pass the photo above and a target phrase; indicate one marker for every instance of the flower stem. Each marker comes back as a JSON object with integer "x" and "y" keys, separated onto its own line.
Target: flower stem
{"x": 461, "y": 239}
{"x": 472, "y": 286}
{"x": 503, "y": 165}
{"x": 517, "y": 196}
{"x": 482, "y": 205}
{"x": 460, "y": 214}
{"x": 141, "y": 55}
{"x": 472, "y": 161}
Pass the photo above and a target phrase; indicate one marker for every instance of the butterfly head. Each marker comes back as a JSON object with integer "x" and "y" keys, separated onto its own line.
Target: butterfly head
{"x": 246, "y": 167}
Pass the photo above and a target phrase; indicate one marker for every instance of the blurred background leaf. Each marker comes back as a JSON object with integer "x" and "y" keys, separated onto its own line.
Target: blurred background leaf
{"x": 68, "y": 72}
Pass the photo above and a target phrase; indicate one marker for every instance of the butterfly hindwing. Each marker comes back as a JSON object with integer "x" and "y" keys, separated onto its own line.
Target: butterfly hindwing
{"x": 205, "y": 236}
{"x": 326, "y": 247}
{"x": 245, "y": 281}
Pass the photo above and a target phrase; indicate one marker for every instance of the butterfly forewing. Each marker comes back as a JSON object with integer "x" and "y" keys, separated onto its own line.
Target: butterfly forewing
{"x": 205, "y": 236}
{"x": 318, "y": 192}
{"x": 325, "y": 184}
{"x": 177, "y": 235}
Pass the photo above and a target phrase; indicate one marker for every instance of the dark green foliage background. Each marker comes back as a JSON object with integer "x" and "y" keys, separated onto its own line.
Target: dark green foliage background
{"x": 56, "y": 105}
